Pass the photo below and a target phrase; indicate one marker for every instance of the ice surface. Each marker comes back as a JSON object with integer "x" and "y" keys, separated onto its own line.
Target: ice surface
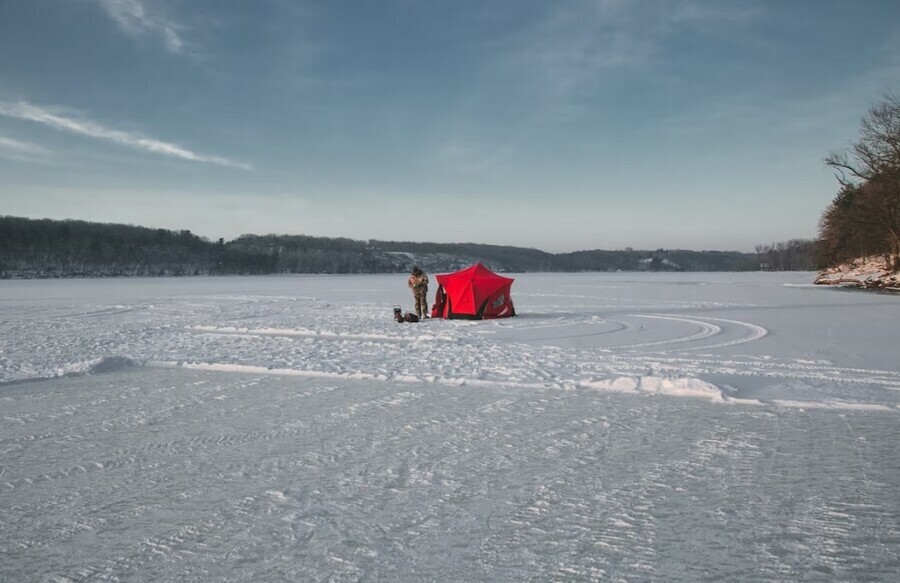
{"x": 662, "y": 427}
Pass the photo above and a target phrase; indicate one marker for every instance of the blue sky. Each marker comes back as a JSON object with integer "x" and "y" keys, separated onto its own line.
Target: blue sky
{"x": 557, "y": 125}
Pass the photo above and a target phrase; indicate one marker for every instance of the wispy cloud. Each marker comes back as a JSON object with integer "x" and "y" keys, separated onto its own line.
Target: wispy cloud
{"x": 21, "y": 151}
{"x": 568, "y": 54}
{"x": 567, "y": 50}
{"x": 21, "y": 147}
{"x": 693, "y": 12}
{"x": 133, "y": 17}
{"x": 26, "y": 111}
{"x": 466, "y": 156}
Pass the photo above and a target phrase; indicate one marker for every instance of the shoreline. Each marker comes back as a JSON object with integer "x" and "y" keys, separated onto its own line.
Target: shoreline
{"x": 870, "y": 274}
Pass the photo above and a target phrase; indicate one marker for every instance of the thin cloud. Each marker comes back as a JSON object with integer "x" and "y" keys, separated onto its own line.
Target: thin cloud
{"x": 469, "y": 156}
{"x": 29, "y": 112}
{"x": 133, "y": 18}
{"x": 21, "y": 151}
{"x": 20, "y": 147}
{"x": 693, "y": 12}
{"x": 567, "y": 55}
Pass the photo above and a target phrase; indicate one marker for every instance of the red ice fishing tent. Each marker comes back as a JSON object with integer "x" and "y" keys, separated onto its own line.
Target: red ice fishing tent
{"x": 473, "y": 293}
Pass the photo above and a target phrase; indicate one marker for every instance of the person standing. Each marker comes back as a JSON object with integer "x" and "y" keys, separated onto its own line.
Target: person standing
{"x": 418, "y": 283}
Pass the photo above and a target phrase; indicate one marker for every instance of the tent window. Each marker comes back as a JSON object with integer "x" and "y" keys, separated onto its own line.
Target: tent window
{"x": 501, "y": 299}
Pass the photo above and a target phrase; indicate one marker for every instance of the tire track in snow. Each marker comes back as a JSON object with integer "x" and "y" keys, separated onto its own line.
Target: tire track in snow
{"x": 706, "y": 330}
{"x": 299, "y": 333}
{"x": 679, "y": 371}
{"x": 540, "y": 369}
{"x": 101, "y": 313}
{"x": 616, "y": 327}
{"x": 756, "y": 332}
{"x": 889, "y": 379}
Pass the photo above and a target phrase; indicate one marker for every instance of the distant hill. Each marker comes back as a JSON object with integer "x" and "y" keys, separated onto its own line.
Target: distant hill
{"x": 31, "y": 248}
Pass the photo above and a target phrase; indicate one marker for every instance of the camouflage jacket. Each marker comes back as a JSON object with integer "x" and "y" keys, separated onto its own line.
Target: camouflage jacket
{"x": 418, "y": 281}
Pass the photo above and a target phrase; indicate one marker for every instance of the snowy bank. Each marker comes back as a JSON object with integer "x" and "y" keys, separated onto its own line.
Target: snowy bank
{"x": 868, "y": 273}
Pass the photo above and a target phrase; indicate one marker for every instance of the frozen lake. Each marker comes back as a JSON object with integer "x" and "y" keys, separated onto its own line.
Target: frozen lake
{"x": 624, "y": 427}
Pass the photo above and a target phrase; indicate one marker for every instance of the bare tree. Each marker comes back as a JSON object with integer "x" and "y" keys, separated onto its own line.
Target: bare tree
{"x": 878, "y": 150}
{"x": 864, "y": 217}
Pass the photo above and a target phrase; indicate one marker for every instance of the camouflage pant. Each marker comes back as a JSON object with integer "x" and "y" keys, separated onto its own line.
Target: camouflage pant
{"x": 420, "y": 296}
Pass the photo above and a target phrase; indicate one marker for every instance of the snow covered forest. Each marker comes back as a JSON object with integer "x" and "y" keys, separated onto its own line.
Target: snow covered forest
{"x": 48, "y": 248}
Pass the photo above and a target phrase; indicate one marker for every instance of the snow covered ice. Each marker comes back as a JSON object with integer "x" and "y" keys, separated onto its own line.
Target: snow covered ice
{"x": 624, "y": 427}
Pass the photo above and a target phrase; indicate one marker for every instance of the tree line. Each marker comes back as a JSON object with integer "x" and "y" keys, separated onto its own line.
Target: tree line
{"x": 792, "y": 255}
{"x": 49, "y": 248}
{"x": 32, "y": 248}
{"x": 863, "y": 219}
